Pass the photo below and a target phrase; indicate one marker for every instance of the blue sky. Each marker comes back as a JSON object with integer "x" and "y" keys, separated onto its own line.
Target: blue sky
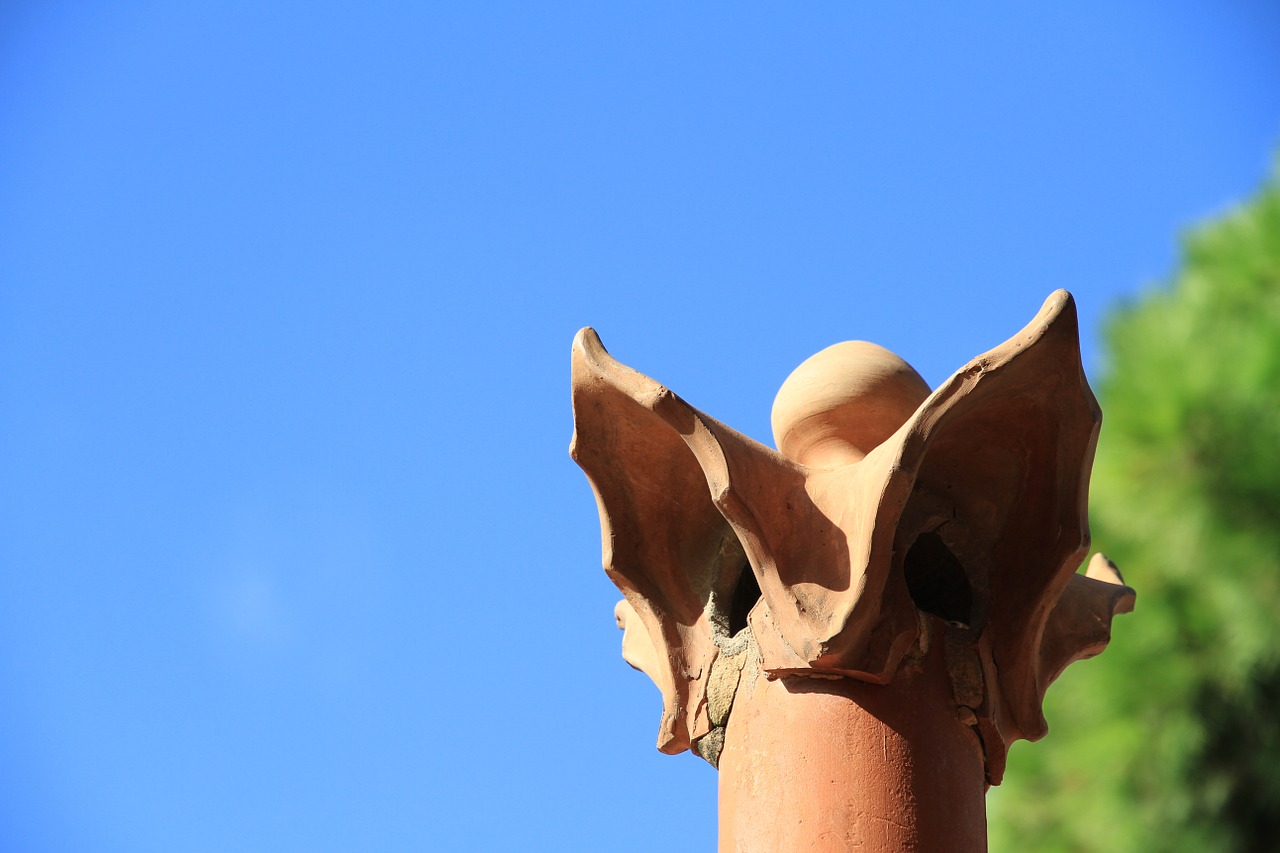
{"x": 292, "y": 557}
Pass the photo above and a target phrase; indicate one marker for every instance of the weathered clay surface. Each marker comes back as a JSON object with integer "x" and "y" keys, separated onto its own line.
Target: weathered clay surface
{"x": 901, "y": 542}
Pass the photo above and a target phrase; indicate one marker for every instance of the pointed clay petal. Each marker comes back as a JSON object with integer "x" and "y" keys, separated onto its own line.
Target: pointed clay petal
{"x": 662, "y": 537}
{"x": 821, "y": 613}
{"x": 838, "y": 602}
{"x": 1079, "y": 625}
{"x": 999, "y": 459}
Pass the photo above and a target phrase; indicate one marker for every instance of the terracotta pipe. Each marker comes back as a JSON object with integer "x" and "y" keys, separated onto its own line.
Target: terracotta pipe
{"x": 837, "y": 764}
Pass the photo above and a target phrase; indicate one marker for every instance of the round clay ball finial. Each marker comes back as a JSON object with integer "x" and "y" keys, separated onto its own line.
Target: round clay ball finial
{"x": 840, "y": 404}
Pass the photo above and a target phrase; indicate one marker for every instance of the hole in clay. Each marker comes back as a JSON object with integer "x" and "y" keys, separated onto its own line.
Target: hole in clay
{"x": 745, "y": 596}
{"x": 936, "y": 580}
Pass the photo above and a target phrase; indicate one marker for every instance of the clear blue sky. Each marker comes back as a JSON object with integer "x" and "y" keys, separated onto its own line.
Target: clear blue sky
{"x": 292, "y": 557}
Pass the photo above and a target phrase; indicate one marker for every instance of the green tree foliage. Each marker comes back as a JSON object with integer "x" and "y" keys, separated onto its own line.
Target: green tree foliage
{"x": 1171, "y": 739}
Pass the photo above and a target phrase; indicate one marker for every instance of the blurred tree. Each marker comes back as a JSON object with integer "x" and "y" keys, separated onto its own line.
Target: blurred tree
{"x": 1171, "y": 739}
